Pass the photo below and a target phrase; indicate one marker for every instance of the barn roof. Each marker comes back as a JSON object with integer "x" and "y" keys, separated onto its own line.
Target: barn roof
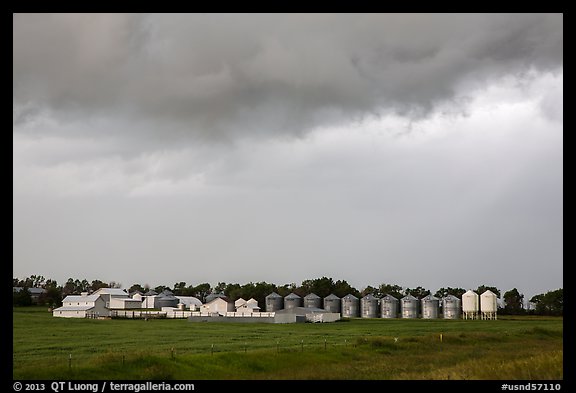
{"x": 74, "y": 308}
{"x": 111, "y": 291}
{"x": 78, "y": 298}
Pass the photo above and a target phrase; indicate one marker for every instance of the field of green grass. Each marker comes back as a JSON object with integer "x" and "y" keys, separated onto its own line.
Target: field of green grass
{"x": 508, "y": 348}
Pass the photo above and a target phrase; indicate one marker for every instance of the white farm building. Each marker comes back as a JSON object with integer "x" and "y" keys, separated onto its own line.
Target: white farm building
{"x": 82, "y": 306}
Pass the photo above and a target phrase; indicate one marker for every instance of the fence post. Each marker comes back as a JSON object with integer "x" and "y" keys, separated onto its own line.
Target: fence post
{"x": 70, "y": 361}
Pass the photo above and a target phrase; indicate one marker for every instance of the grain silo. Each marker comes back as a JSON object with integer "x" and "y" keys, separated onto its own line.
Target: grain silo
{"x": 430, "y": 305}
{"x": 292, "y": 300}
{"x": 470, "y": 305}
{"x": 166, "y": 299}
{"x": 369, "y": 306}
{"x": 389, "y": 307}
{"x": 451, "y": 306}
{"x": 332, "y": 303}
{"x": 350, "y": 306}
{"x": 488, "y": 305}
{"x": 409, "y": 307}
{"x": 274, "y": 302}
{"x": 312, "y": 300}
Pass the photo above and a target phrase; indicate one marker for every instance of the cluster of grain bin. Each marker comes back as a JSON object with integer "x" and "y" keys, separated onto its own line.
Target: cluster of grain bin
{"x": 470, "y": 307}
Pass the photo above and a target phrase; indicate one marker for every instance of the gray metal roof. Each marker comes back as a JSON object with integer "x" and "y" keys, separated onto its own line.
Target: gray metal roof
{"x": 73, "y": 308}
{"x": 332, "y": 296}
{"x": 311, "y": 296}
{"x": 77, "y": 298}
{"x": 111, "y": 291}
{"x": 369, "y": 297}
{"x": 292, "y": 296}
{"x": 273, "y": 294}
{"x": 350, "y": 296}
{"x": 389, "y": 297}
{"x": 151, "y": 293}
{"x": 430, "y": 297}
{"x": 409, "y": 297}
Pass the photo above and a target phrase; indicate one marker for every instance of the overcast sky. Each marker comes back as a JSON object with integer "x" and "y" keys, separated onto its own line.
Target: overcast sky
{"x": 376, "y": 148}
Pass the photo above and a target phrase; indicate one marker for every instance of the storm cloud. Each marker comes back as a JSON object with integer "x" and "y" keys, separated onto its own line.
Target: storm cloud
{"x": 219, "y": 76}
{"x": 416, "y": 149}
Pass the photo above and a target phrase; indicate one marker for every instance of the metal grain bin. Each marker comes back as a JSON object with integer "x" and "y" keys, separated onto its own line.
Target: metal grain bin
{"x": 274, "y": 302}
{"x": 389, "y": 307}
{"x": 292, "y": 301}
{"x": 409, "y": 306}
{"x": 332, "y": 303}
{"x": 166, "y": 300}
{"x": 369, "y": 306}
{"x": 451, "y": 306}
{"x": 350, "y": 306}
{"x": 312, "y": 300}
{"x": 430, "y": 305}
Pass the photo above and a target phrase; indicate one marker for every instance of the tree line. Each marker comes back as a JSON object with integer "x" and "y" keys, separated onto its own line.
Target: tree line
{"x": 549, "y": 303}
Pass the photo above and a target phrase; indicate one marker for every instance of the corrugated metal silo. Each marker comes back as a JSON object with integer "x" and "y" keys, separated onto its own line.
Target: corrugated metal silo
{"x": 430, "y": 305}
{"x": 350, "y": 306}
{"x": 369, "y": 306}
{"x": 389, "y": 307}
{"x": 470, "y": 305}
{"x": 332, "y": 303}
{"x": 292, "y": 301}
{"x": 409, "y": 307}
{"x": 274, "y": 302}
{"x": 488, "y": 305}
{"x": 451, "y": 306}
{"x": 312, "y": 300}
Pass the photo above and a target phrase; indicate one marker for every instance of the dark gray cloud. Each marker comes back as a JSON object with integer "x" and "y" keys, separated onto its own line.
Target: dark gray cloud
{"x": 414, "y": 149}
{"x": 221, "y": 76}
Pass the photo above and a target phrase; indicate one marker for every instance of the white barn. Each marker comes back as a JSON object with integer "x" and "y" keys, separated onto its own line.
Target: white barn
{"x": 82, "y": 306}
{"x": 220, "y": 305}
{"x": 248, "y": 307}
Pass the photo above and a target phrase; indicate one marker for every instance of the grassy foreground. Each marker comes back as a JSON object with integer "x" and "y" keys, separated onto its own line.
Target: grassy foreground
{"x": 509, "y": 348}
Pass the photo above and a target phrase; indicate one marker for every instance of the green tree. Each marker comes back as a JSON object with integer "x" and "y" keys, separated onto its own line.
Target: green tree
{"x": 418, "y": 292}
{"x": 97, "y": 284}
{"x": 390, "y": 289}
{"x": 514, "y": 302}
{"x": 443, "y": 292}
{"x": 483, "y": 288}
{"x": 202, "y": 290}
{"x": 549, "y": 303}
{"x": 136, "y": 287}
{"x": 342, "y": 288}
{"x": 22, "y": 297}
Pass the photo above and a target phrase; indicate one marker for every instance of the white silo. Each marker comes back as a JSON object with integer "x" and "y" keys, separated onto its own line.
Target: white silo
{"x": 409, "y": 307}
{"x": 470, "y": 305}
{"x": 451, "y": 306}
{"x": 488, "y": 305}
{"x": 430, "y": 305}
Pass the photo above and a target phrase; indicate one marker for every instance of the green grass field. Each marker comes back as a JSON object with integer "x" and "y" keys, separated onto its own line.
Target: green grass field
{"x": 509, "y": 348}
